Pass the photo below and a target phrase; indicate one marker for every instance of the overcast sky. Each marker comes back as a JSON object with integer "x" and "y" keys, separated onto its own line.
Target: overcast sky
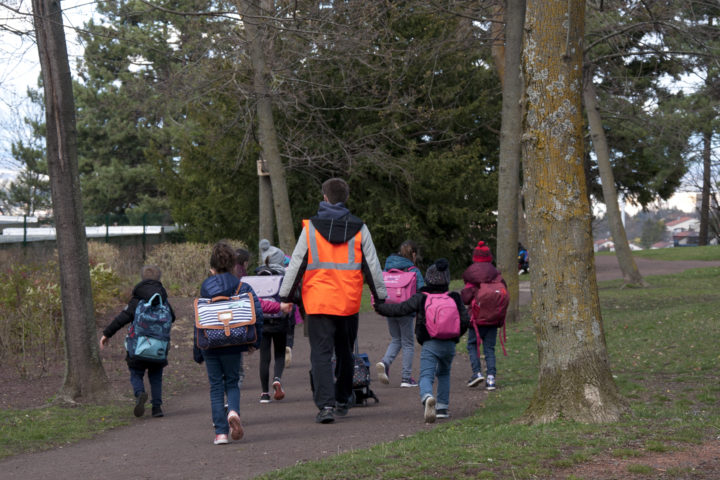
{"x": 19, "y": 65}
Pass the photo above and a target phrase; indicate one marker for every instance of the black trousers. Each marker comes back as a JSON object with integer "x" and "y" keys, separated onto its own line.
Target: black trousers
{"x": 330, "y": 334}
{"x": 277, "y": 339}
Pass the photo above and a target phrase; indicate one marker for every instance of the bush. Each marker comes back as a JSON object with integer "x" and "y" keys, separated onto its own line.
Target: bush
{"x": 31, "y": 329}
{"x": 184, "y": 265}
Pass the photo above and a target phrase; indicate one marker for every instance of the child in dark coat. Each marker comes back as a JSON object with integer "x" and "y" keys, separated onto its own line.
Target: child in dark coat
{"x": 437, "y": 354}
{"x": 142, "y": 292}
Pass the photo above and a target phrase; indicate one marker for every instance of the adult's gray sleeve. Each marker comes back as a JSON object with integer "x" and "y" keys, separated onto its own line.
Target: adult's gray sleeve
{"x": 370, "y": 258}
{"x": 295, "y": 268}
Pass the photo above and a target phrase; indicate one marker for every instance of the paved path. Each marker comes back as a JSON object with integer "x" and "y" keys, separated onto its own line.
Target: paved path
{"x": 279, "y": 434}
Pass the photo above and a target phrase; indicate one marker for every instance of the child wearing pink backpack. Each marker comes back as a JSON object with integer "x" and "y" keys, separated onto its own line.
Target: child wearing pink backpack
{"x": 441, "y": 319}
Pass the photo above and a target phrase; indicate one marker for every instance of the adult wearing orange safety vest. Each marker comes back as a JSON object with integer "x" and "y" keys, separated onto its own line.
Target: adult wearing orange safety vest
{"x": 332, "y": 257}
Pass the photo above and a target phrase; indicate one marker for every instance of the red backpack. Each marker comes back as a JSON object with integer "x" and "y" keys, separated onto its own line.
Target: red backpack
{"x": 488, "y": 309}
{"x": 442, "y": 319}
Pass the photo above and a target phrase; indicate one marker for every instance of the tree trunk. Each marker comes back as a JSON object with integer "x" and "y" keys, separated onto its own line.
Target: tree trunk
{"x": 258, "y": 43}
{"x": 628, "y": 267}
{"x": 85, "y": 379}
{"x": 705, "y": 199}
{"x": 265, "y": 207}
{"x": 497, "y": 12}
{"x": 510, "y": 151}
{"x": 575, "y": 381}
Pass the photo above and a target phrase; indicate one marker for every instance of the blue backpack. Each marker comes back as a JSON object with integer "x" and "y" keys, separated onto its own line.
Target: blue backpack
{"x": 148, "y": 336}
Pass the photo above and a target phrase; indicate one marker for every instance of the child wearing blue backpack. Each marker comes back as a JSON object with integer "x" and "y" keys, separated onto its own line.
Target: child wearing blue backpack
{"x": 441, "y": 319}
{"x": 143, "y": 292}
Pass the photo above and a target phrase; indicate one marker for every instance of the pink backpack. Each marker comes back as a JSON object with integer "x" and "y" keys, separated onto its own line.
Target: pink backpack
{"x": 400, "y": 285}
{"x": 442, "y": 318}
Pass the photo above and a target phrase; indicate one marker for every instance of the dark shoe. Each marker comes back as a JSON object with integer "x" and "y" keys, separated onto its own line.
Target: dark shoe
{"x": 408, "y": 382}
{"x": 264, "y": 397}
{"x": 442, "y": 413}
{"x": 279, "y": 392}
{"x": 139, "y": 410}
{"x": 341, "y": 409}
{"x": 475, "y": 380}
{"x": 325, "y": 415}
{"x": 157, "y": 411}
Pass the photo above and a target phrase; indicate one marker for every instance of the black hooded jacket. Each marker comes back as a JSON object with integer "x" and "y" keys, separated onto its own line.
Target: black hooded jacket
{"x": 143, "y": 291}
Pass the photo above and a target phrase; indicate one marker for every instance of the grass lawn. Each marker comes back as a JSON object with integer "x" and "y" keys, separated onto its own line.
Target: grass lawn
{"x": 662, "y": 343}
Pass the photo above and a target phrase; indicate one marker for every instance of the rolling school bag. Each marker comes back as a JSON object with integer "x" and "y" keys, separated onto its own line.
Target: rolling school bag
{"x": 148, "y": 335}
{"x": 225, "y": 321}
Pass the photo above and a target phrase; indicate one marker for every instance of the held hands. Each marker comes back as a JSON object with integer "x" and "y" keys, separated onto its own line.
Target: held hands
{"x": 286, "y": 307}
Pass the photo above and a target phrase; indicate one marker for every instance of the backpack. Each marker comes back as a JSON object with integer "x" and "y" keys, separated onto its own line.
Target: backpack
{"x": 225, "y": 321}
{"x": 148, "y": 335}
{"x": 267, "y": 286}
{"x": 488, "y": 309}
{"x": 442, "y": 318}
{"x": 400, "y": 285}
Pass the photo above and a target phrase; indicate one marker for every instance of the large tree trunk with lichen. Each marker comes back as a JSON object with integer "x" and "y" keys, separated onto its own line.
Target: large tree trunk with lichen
{"x": 254, "y": 15}
{"x": 510, "y": 151}
{"x": 85, "y": 379}
{"x": 628, "y": 267}
{"x": 575, "y": 381}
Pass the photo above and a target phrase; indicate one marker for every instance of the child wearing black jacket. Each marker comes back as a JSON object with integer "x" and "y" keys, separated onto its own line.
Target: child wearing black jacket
{"x": 142, "y": 292}
{"x": 437, "y": 354}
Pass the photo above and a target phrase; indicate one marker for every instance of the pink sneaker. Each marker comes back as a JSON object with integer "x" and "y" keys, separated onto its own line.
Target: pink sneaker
{"x": 279, "y": 392}
{"x": 221, "y": 439}
{"x": 236, "y": 430}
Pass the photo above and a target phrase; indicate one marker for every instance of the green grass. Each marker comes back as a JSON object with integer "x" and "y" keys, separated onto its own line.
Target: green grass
{"x": 662, "y": 343}
{"x": 43, "y": 428}
{"x": 707, "y": 253}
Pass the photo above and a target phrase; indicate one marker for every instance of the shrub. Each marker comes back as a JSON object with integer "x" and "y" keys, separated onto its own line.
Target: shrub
{"x": 184, "y": 265}
{"x": 31, "y": 330}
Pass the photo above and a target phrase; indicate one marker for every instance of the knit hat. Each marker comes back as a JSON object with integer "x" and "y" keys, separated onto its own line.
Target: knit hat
{"x": 270, "y": 254}
{"x": 438, "y": 273}
{"x": 481, "y": 253}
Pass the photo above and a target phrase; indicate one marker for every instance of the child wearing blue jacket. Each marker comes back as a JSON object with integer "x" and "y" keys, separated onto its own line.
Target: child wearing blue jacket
{"x": 437, "y": 354}
{"x": 225, "y": 365}
{"x": 401, "y": 328}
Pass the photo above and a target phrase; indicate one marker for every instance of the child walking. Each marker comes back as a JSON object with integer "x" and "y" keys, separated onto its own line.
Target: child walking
{"x": 481, "y": 271}
{"x": 437, "y": 354}
{"x": 148, "y": 286}
{"x": 224, "y": 365}
{"x": 401, "y": 328}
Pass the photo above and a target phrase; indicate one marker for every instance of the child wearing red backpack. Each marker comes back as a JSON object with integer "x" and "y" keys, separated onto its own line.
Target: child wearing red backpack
{"x": 481, "y": 271}
{"x": 441, "y": 319}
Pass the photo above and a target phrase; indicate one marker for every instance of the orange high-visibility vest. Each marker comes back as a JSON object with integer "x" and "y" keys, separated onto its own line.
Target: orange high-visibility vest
{"x": 333, "y": 280}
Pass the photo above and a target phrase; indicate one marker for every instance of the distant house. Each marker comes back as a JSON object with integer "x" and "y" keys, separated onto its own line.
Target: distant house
{"x": 604, "y": 245}
{"x": 684, "y": 231}
{"x": 686, "y": 239}
{"x": 683, "y": 224}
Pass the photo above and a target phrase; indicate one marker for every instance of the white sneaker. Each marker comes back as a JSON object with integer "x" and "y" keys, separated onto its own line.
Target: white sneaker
{"x": 430, "y": 409}
{"x": 221, "y": 439}
{"x": 288, "y": 356}
{"x": 490, "y": 382}
{"x": 382, "y": 372}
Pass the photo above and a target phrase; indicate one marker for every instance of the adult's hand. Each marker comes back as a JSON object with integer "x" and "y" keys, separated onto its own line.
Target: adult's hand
{"x": 286, "y": 307}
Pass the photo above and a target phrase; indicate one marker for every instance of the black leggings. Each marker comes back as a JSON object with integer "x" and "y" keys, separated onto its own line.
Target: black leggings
{"x": 279, "y": 340}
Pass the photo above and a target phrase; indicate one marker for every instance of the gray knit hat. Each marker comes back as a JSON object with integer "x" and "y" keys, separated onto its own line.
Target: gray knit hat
{"x": 438, "y": 273}
{"x": 270, "y": 254}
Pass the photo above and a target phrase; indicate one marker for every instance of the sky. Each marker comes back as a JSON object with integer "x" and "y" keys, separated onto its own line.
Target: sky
{"x": 20, "y": 67}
